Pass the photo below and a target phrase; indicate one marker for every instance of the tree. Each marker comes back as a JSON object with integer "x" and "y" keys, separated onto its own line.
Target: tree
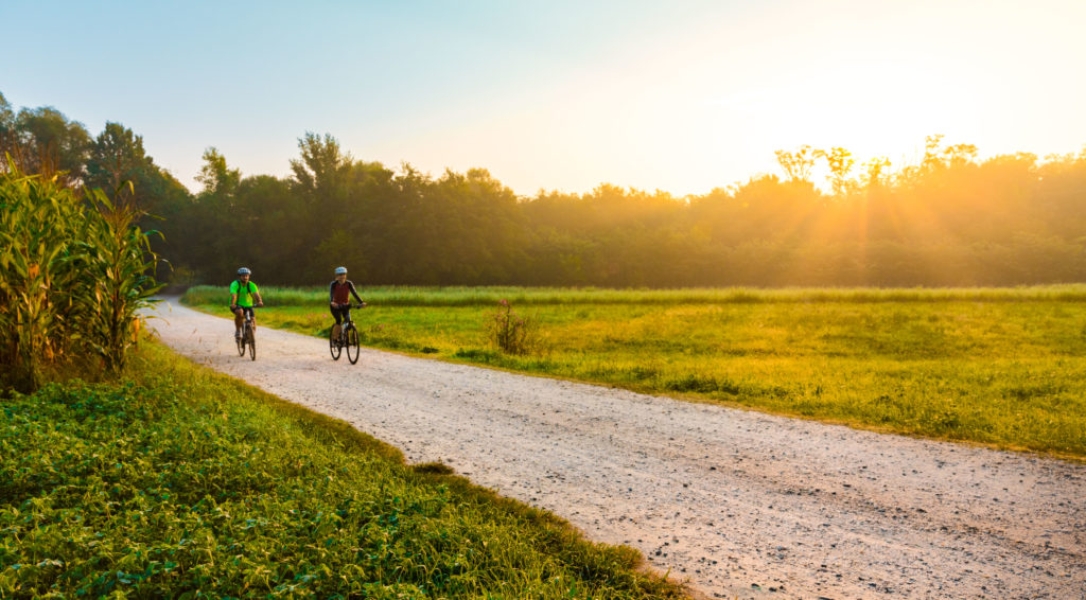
{"x": 840, "y": 163}
{"x": 119, "y": 165}
{"x": 797, "y": 165}
{"x": 219, "y": 180}
{"x": 876, "y": 172}
{"x": 322, "y": 172}
{"x": 8, "y": 137}
{"x": 50, "y": 143}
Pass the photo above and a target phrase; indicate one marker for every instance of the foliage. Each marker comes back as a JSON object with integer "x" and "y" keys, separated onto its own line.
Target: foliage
{"x": 116, "y": 269}
{"x": 44, "y": 141}
{"x": 73, "y": 274}
{"x": 121, "y": 168}
{"x": 508, "y": 330}
{"x": 185, "y": 483}
{"x": 1001, "y": 367}
{"x": 950, "y": 219}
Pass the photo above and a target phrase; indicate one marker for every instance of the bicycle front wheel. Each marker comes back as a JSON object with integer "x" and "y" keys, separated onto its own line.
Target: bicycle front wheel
{"x": 353, "y": 345}
{"x": 240, "y": 340}
{"x": 333, "y": 345}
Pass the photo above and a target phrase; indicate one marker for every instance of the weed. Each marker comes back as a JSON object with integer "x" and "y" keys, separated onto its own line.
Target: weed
{"x": 508, "y": 330}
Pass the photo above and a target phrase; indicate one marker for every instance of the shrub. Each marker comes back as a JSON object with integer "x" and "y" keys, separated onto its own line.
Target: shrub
{"x": 509, "y": 331}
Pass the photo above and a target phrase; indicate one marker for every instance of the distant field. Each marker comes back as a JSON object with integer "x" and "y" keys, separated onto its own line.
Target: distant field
{"x": 1000, "y": 367}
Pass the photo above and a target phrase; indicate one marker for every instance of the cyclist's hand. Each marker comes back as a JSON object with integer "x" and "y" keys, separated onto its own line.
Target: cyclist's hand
{"x": 260, "y": 305}
{"x": 363, "y": 305}
{"x": 233, "y": 308}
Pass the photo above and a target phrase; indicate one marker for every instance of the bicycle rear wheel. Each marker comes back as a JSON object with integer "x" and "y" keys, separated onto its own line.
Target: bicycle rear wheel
{"x": 240, "y": 340}
{"x": 353, "y": 345}
{"x": 333, "y": 345}
{"x": 252, "y": 342}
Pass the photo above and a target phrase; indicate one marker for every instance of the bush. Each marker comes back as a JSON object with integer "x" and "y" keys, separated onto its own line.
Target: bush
{"x": 509, "y": 331}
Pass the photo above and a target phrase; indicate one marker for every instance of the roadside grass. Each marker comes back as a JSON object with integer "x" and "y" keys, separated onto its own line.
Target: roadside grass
{"x": 180, "y": 482}
{"x": 1000, "y": 367}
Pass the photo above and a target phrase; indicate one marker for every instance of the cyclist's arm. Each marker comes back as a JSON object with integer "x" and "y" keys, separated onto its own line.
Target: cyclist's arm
{"x": 259, "y": 300}
{"x": 355, "y": 294}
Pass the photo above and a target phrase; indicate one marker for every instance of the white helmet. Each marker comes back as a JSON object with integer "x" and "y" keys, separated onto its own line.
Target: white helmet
{"x": 341, "y": 270}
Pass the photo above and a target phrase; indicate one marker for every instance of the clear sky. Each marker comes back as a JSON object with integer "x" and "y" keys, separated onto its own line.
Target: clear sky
{"x": 675, "y": 95}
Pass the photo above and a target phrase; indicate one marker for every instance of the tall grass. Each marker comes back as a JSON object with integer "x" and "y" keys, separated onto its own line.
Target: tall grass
{"x": 74, "y": 271}
{"x": 521, "y": 296}
{"x": 1001, "y": 367}
{"x": 180, "y": 482}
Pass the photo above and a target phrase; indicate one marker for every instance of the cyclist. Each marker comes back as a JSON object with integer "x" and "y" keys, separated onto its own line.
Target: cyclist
{"x": 242, "y": 294}
{"x": 339, "y": 297}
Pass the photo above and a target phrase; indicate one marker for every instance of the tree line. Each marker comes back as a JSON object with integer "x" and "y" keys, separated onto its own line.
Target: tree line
{"x": 951, "y": 219}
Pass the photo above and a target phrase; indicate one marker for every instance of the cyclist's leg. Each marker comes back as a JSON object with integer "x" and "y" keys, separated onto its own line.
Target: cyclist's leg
{"x": 337, "y": 314}
{"x": 252, "y": 316}
{"x": 239, "y": 317}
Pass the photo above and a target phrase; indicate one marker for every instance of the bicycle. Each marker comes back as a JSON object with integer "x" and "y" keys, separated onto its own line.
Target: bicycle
{"x": 247, "y": 339}
{"x": 347, "y": 337}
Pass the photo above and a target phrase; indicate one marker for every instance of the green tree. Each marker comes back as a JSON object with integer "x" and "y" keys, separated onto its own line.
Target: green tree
{"x": 322, "y": 171}
{"x": 210, "y": 234}
{"x": 8, "y": 137}
{"x": 219, "y": 180}
{"x": 119, "y": 165}
{"x": 50, "y": 143}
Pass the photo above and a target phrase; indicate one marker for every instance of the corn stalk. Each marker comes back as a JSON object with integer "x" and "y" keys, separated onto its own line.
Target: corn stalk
{"x": 37, "y": 220}
{"x": 74, "y": 273}
{"x": 116, "y": 266}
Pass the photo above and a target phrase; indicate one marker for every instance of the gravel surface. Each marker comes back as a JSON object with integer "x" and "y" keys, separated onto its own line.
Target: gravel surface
{"x": 739, "y": 504}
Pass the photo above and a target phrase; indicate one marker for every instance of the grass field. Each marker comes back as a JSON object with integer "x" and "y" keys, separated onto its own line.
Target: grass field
{"x": 179, "y": 482}
{"x": 999, "y": 367}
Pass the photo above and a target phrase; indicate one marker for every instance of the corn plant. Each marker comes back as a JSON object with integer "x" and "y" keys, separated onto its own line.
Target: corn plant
{"x": 74, "y": 272}
{"x": 37, "y": 219}
{"x": 116, "y": 269}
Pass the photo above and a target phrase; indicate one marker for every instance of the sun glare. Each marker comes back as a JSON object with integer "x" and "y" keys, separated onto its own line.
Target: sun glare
{"x": 876, "y": 80}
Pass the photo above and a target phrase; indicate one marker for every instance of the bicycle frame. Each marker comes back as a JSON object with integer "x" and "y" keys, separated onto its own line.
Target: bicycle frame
{"x": 348, "y": 338}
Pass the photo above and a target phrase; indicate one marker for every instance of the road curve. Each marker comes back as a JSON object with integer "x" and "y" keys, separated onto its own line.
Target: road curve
{"x": 740, "y": 504}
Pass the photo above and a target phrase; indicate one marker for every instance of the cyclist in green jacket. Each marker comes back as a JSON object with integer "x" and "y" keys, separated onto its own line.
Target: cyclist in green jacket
{"x": 243, "y": 293}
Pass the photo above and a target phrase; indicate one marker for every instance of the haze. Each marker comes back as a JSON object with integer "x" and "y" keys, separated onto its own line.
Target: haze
{"x": 682, "y": 96}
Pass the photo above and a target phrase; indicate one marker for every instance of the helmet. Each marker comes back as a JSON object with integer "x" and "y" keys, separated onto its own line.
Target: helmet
{"x": 341, "y": 270}
{"x": 244, "y": 271}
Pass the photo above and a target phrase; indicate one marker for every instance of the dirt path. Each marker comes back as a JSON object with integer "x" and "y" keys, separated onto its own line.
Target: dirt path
{"x": 744, "y": 505}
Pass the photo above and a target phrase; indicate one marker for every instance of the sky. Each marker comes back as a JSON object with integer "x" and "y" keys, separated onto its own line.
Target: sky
{"x": 680, "y": 96}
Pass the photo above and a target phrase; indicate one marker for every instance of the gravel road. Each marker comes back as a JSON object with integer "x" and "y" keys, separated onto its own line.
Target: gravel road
{"x": 739, "y": 504}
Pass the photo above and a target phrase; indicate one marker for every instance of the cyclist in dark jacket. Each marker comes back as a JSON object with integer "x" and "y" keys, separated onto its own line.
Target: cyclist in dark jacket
{"x": 339, "y": 297}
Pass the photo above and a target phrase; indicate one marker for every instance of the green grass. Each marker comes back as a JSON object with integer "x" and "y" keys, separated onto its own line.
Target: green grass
{"x": 999, "y": 367}
{"x": 184, "y": 483}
